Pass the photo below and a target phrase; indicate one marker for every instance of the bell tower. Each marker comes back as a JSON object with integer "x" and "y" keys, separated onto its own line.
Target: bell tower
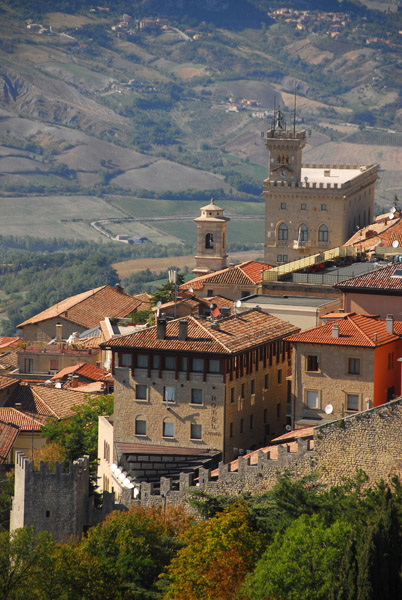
{"x": 285, "y": 151}
{"x": 211, "y": 239}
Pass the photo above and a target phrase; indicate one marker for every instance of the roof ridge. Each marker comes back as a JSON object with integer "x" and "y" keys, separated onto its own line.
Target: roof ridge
{"x": 44, "y": 402}
{"x": 210, "y": 333}
{"x": 349, "y": 318}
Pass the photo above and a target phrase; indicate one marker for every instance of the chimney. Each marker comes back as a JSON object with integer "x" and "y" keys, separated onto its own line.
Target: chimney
{"x": 119, "y": 288}
{"x": 389, "y": 323}
{"x": 74, "y": 381}
{"x": 160, "y": 329}
{"x": 182, "y": 330}
{"x": 59, "y": 332}
{"x": 335, "y": 330}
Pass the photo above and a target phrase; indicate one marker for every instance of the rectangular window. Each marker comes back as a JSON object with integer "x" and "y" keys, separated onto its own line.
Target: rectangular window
{"x": 303, "y": 206}
{"x": 156, "y": 361}
{"x": 323, "y": 207}
{"x": 251, "y": 421}
{"x": 280, "y": 376}
{"x": 312, "y": 363}
{"x": 196, "y": 432}
{"x": 243, "y": 390}
{"x": 312, "y": 399}
{"x": 283, "y": 205}
{"x": 198, "y": 364}
{"x": 354, "y": 366}
{"x": 168, "y": 429}
{"x": 126, "y": 360}
{"x": 265, "y": 415}
{"x": 54, "y": 364}
{"x": 285, "y": 258}
{"x": 169, "y": 394}
{"x": 266, "y": 382}
{"x": 232, "y": 395}
{"x": 184, "y": 363}
{"x": 214, "y": 366}
{"x": 142, "y": 361}
{"x": 241, "y": 425}
{"x": 278, "y": 411}
{"x": 170, "y": 363}
{"x": 245, "y": 293}
{"x": 279, "y": 258}
{"x": 252, "y": 386}
{"x": 28, "y": 365}
{"x": 231, "y": 429}
{"x": 141, "y": 392}
{"x": 210, "y": 293}
{"x": 196, "y": 396}
{"x": 140, "y": 427}
{"x": 353, "y": 402}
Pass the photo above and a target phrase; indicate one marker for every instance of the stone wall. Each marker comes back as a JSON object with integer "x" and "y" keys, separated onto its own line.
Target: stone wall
{"x": 370, "y": 441}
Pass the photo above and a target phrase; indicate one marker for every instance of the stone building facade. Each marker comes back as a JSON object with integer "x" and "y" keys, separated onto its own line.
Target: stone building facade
{"x": 311, "y": 208}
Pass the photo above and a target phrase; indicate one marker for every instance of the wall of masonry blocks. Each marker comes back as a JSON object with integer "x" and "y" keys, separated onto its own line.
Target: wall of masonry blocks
{"x": 370, "y": 441}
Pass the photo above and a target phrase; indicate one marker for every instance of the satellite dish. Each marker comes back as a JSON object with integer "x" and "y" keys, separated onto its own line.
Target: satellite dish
{"x": 238, "y": 303}
{"x": 329, "y": 409}
{"x": 190, "y": 289}
{"x": 395, "y": 244}
{"x": 288, "y": 428}
{"x": 159, "y": 304}
{"x": 58, "y": 385}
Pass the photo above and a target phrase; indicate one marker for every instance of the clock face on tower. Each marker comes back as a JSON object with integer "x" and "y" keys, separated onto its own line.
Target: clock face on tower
{"x": 283, "y": 173}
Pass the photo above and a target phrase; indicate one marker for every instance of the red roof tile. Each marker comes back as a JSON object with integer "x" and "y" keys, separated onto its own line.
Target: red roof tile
{"x": 6, "y": 382}
{"x": 8, "y": 435}
{"x": 382, "y": 232}
{"x": 9, "y": 342}
{"x": 88, "y": 308}
{"x": 246, "y": 273}
{"x": 354, "y": 330}
{"x": 43, "y": 401}
{"x": 233, "y": 334}
{"x": 296, "y": 433}
{"x": 382, "y": 280}
{"x": 86, "y": 370}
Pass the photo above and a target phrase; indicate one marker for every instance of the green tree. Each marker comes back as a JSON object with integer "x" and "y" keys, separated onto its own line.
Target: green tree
{"x": 301, "y": 564}
{"x": 217, "y": 555}
{"x": 166, "y": 292}
{"x": 79, "y": 434}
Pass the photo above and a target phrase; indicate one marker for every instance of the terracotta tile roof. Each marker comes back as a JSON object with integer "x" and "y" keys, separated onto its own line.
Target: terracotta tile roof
{"x": 381, "y": 280}
{"x": 9, "y": 342}
{"x": 8, "y": 435}
{"x": 25, "y": 421}
{"x": 354, "y": 330}
{"x": 382, "y": 232}
{"x": 6, "y": 382}
{"x": 88, "y": 308}
{"x": 43, "y": 401}
{"x": 86, "y": 370}
{"x": 234, "y": 334}
{"x": 295, "y": 434}
{"x": 9, "y": 360}
{"x": 246, "y": 273}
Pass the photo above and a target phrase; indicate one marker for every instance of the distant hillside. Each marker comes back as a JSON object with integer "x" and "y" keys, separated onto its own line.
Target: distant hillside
{"x": 167, "y": 99}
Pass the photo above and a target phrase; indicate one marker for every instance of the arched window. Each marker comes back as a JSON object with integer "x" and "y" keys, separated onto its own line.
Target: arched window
{"x": 283, "y": 231}
{"x": 303, "y": 233}
{"x": 209, "y": 240}
{"x": 278, "y": 158}
{"x": 323, "y": 233}
{"x": 140, "y": 425}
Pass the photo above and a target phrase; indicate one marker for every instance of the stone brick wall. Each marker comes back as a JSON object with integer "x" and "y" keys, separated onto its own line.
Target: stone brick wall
{"x": 370, "y": 441}
{"x": 53, "y": 501}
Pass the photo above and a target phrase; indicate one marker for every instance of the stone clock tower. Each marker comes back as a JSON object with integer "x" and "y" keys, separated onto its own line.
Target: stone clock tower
{"x": 211, "y": 239}
{"x": 310, "y": 208}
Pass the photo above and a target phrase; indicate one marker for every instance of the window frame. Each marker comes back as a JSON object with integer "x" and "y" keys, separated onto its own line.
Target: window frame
{"x": 164, "y": 432}
{"x": 166, "y": 400}
{"x": 354, "y": 366}
{"x": 141, "y": 385}
{"x": 348, "y": 398}
{"x": 195, "y": 402}
{"x": 140, "y": 419}
{"x": 317, "y": 399}
{"x": 312, "y": 360}
{"x": 192, "y": 427}
{"x": 282, "y": 232}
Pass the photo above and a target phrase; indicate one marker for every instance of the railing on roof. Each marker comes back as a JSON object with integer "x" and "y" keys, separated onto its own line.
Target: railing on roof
{"x": 308, "y": 261}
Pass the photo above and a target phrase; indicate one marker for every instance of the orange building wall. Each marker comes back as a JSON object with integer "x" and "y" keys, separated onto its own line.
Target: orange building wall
{"x": 385, "y": 377}
{"x": 374, "y": 304}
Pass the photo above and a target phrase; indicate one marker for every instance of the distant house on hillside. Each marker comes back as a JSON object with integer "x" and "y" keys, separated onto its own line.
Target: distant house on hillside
{"x": 80, "y": 312}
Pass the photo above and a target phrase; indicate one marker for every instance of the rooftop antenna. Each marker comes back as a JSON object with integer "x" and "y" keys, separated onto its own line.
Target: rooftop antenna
{"x": 294, "y": 114}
